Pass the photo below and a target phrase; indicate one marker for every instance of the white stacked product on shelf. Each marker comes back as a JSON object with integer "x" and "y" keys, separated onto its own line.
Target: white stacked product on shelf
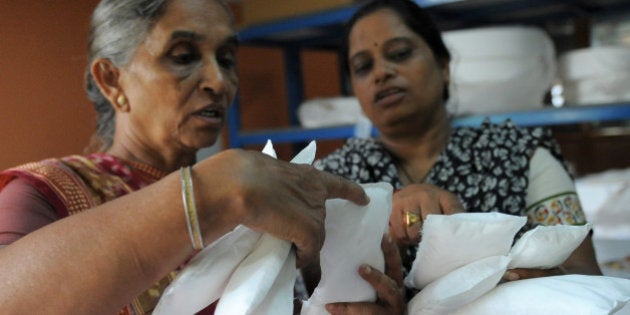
{"x": 605, "y": 198}
{"x": 332, "y": 111}
{"x": 595, "y": 75}
{"x": 499, "y": 69}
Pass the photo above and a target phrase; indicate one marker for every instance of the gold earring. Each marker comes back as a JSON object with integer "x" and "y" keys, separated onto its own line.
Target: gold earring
{"x": 121, "y": 100}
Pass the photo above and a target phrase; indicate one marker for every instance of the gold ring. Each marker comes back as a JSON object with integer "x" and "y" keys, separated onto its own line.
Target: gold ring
{"x": 411, "y": 218}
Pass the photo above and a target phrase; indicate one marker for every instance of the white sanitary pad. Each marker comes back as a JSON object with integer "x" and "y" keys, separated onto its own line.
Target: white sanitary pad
{"x": 253, "y": 273}
{"x": 462, "y": 257}
{"x": 353, "y": 238}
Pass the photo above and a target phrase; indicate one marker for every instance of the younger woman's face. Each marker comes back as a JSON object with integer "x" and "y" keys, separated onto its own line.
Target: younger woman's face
{"x": 182, "y": 78}
{"x": 394, "y": 73}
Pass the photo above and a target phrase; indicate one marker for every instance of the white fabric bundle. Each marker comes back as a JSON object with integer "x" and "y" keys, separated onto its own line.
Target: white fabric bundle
{"x": 463, "y": 256}
{"x": 250, "y": 284}
{"x": 251, "y": 273}
{"x": 453, "y": 241}
{"x": 546, "y": 247}
{"x": 459, "y": 287}
{"x": 332, "y": 111}
{"x": 605, "y": 198}
{"x": 353, "y": 237}
{"x": 570, "y": 294}
{"x": 206, "y": 275}
{"x": 254, "y": 273}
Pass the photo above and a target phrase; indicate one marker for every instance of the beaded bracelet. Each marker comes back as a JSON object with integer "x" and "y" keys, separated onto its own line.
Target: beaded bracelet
{"x": 190, "y": 209}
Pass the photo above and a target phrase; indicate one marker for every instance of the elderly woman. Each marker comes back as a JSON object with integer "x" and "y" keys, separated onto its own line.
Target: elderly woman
{"x": 161, "y": 75}
{"x": 399, "y": 70}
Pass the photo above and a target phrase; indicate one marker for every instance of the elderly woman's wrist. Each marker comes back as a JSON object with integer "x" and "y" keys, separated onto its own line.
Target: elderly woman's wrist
{"x": 190, "y": 208}
{"x": 214, "y": 213}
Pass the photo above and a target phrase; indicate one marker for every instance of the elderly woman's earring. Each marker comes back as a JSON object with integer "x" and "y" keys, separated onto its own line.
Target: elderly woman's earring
{"x": 121, "y": 101}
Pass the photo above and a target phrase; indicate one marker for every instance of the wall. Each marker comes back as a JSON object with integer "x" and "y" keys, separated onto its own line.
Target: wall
{"x": 263, "y": 90}
{"x": 43, "y": 109}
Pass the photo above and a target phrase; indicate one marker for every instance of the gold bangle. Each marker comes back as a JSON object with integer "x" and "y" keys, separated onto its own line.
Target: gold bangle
{"x": 188, "y": 196}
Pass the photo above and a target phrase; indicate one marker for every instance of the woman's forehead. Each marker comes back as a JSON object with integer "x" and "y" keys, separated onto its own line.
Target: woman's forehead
{"x": 195, "y": 19}
{"x": 196, "y": 14}
{"x": 376, "y": 28}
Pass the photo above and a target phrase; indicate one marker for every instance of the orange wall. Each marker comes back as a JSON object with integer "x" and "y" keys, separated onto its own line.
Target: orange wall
{"x": 43, "y": 109}
{"x": 263, "y": 90}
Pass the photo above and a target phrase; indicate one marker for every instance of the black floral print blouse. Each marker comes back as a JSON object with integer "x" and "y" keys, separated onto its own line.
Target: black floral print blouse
{"x": 487, "y": 167}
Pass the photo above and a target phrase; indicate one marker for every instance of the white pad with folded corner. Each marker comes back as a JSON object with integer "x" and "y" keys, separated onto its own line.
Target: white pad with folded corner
{"x": 472, "y": 240}
{"x": 353, "y": 238}
{"x": 547, "y": 247}
{"x": 569, "y": 294}
{"x": 452, "y": 241}
{"x": 459, "y": 287}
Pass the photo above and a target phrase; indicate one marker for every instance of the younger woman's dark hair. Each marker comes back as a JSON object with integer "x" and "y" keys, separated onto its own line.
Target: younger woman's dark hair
{"x": 415, "y": 18}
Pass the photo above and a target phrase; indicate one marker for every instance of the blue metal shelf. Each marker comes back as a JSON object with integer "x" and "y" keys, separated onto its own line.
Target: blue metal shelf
{"x": 322, "y": 30}
{"x": 555, "y": 116}
{"x": 307, "y": 27}
{"x": 293, "y": 135}
{"x": 543, "y": 117}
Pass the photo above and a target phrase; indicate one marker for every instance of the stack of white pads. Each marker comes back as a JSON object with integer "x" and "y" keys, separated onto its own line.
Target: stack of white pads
{"x": 459, "y": 263}
{"x": 595, "y": 75}
{"x": 462, "y": 258}
{"x": 253, "y": 273}
{"x": 499, "y": 69}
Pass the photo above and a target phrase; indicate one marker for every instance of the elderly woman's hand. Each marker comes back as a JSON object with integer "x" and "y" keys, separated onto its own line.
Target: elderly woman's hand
{"x": 412, "y": 204}
{"x": 389, "y": 287}
{"x": 267, "y": 195}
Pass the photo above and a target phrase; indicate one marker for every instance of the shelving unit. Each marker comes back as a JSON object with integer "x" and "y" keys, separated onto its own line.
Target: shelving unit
{"x": 321, "y": 30}
{"x": 544, "y": 117}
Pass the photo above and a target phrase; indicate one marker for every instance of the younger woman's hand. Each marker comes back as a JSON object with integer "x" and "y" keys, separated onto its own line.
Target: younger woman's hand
{"x": 389, "y": 287}
{"x": 412, "y": 204}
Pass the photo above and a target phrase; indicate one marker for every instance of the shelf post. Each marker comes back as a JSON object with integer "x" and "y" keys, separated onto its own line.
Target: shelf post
{"x": 294, "y": 81}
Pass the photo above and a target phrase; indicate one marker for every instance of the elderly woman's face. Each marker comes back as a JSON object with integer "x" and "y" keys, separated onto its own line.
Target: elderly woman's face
{"x": 182, "y": 79}
{"x": 394, "y": 73}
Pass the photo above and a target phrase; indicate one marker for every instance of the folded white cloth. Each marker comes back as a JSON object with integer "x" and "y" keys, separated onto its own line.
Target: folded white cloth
{"x": 569, "y": 294}
{"x": 254, "y": 273}
{"x": 206, "y": 275}
{"x": 453, "y": 241}
{"x": 332, "y": 111}
{"x": 462, "y": 257}
{"x": 252, "y": 280}
{"x": 353, "y": 238}
{"x": 459, "y": 287}
{"x": 251, "y": 273}
{"x": 547, "y": 247}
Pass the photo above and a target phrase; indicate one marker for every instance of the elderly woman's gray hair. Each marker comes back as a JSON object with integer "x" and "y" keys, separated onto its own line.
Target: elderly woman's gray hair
{"x": 117, "y": 28}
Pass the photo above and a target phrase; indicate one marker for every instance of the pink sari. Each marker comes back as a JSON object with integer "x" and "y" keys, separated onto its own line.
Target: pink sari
{"x": 76, "y": 183}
